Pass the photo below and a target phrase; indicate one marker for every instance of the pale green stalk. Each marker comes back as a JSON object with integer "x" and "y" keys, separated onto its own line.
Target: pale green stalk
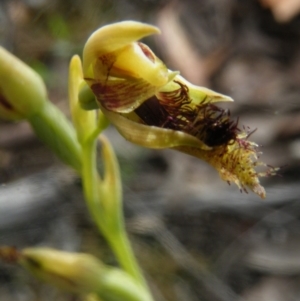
{"x": 52, "y": 127}
{"x": 117, "y": 235}
{"x": 110, "y": 222}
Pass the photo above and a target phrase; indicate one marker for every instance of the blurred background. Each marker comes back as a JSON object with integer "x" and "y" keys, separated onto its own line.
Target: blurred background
{"x": 196, "y": 237}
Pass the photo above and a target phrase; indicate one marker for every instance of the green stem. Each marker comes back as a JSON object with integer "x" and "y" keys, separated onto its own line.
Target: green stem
{"x": 91, "y": 179}
{"x": 53, "y": 128}
{"x": 114, "y": 231}
{"x": 119, "y": 286}
{"x": 121, "y": 246}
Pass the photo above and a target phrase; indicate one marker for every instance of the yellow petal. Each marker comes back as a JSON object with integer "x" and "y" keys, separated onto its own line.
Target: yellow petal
{"x": 138, "y": 61}
{"x": 115, "y": 36}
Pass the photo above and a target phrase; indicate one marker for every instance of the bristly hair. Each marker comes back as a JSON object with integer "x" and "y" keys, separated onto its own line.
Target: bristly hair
{"x": 173, "y": 110}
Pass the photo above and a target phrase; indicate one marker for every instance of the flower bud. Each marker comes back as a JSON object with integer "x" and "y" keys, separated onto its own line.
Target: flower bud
{"x": 82, "y": 274}
{"x": 22, "y": 91}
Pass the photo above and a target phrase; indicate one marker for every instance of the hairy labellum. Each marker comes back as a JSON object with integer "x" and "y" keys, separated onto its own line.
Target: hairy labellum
{"x": 173, "y": 110}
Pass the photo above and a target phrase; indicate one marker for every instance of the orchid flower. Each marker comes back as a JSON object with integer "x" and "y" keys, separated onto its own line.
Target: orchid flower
{"x": 157, "y": 108}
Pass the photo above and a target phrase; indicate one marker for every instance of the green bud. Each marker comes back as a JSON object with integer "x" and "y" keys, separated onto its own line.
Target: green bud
{"x": 22, "y": 90}
{"x": 82, "y": 274}
{"x": 23, "y": 95}
{"x": 53, "y": 128}
{"x": 74, "y": 272}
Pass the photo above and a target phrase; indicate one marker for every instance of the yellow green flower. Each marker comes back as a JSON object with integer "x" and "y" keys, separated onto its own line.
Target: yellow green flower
{"x": 157, "y": 108}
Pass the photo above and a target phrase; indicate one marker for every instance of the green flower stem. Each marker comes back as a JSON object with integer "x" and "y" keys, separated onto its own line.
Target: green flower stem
{"x": 53, "y": 128}
{"x": 91, "y": 180}
{"x": 113, "y": 230}
{"x": 117, "y": 285}
{"x": 121, "y": 246}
